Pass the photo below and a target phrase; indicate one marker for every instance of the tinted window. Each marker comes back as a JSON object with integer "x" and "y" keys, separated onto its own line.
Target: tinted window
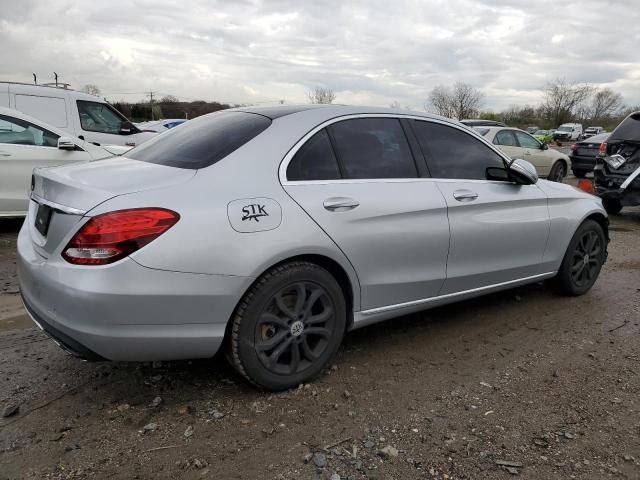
{"x": 203, "y": 141}
{"x": 315, "y": 160}
{"x": 20, "y": 132}
{"x": 100, "y": 117}
{"x": 527, "y": 141}
{"x": 453, "y": 153}
{"x": 506, "y": 138}
{"x": 629, "y": 129}
{"x": 373, "y": 148}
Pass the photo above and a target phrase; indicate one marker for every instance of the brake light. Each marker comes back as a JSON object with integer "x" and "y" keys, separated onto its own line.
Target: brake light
{"x": 603, "y": 148}
{"x": 111, "y": 236}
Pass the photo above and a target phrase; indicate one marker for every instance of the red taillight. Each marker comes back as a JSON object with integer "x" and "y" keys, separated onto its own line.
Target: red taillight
{"x": 603, "y": 148}
{"x": 111, "y": 236}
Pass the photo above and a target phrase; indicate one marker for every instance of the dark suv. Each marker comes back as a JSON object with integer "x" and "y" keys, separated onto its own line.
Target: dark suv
{"x": 617, "y": 169}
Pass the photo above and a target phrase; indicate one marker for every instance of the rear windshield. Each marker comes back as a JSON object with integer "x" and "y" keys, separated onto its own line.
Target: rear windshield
{"x": 629, "y": 129}
{"x": 203, "y": 141}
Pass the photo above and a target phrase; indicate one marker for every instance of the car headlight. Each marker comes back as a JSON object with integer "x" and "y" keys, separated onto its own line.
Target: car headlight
{"x": 615, "y": 161}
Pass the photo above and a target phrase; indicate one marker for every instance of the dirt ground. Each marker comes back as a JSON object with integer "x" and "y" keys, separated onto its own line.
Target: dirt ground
{"x": 521, "y": 382}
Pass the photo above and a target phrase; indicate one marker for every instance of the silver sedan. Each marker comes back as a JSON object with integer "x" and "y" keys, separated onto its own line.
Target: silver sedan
{"x": 270, "y": 232}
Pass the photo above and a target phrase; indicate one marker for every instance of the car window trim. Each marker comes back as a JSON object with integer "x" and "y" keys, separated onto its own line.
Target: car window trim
{"x": 15, "y": 120}
{"x": 284, "y": 163}
{"x": 416, "y": 150}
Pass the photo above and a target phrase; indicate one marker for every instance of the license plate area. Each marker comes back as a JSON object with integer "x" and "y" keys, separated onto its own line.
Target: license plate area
{"x": 43, "y": 218}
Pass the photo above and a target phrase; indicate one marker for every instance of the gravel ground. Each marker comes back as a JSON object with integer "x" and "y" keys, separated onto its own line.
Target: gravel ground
{"x": 516, "y": 383}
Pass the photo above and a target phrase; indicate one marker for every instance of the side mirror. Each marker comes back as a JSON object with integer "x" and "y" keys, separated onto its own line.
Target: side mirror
{"x": 66, "y": 143}
{"x": 544, "y": 146}
{"x": 128, "y": 128}
{"x": 522, "y": 172}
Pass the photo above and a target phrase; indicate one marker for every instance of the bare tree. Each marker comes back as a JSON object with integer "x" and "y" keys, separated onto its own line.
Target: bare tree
{"x": 169, "y": 99}
{"x": 321, "y": 95}
{"x": 91, "y": 89}
{"x": 605, "y": 103}
{"x": 462, "y": 101}
{"x": 564, "y": 100}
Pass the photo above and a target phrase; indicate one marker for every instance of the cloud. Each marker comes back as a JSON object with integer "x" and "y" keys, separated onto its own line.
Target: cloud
{"x": 370, "y": 52}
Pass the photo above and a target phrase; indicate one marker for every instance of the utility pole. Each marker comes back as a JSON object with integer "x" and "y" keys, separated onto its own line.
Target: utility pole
{"x": 150, "y": 95}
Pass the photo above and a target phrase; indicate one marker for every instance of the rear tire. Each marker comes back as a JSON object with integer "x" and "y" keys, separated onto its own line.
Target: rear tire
{"x": 558, "y": 172}
{"x": 582, "y": 261}
{"x": 612, "y": 205}
{"x": 288, "y": 326}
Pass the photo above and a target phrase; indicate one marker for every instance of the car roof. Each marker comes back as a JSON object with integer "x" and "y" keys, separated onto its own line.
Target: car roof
{"x": 332, "y": 111}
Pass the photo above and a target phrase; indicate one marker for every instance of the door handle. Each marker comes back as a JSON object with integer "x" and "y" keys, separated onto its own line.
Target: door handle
{"x": 340, "y": 204}
{"x": 465, "y": 195}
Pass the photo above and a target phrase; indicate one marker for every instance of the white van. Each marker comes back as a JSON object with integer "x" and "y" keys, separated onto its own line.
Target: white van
{"x": 568, "y": 131}
{"x": 82, "y": 115}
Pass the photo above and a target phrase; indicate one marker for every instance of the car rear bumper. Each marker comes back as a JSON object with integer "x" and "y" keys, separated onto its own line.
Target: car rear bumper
{"x": 124, "y": 311}
{"x": 582, "y": 163}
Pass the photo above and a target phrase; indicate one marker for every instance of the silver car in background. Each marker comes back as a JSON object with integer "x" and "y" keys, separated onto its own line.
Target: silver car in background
{"x": 270, "y": 232}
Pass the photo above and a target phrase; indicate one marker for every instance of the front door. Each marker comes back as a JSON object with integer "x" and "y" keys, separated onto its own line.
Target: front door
{"x": 359, "y": 181}
{"x": 499, "y": 230}
{"x": 534, "y": 153}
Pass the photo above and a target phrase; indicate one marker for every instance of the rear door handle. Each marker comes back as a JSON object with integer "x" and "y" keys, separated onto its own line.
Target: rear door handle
{"x": 340, "y": 204}
{"x": 465, "y": 195}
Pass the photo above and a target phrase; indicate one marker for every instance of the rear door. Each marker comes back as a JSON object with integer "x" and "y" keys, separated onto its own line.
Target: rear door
{"x": 499, "y": 230}
{"x": 364, "y": 184}
{"x": 23, "y": 147}
{"x": 506, "y": 141}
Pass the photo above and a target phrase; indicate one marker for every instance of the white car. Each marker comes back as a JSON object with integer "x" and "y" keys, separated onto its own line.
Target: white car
{"x": 161, "y": 126}
{"x": 26, "y": 143}
{"x": 516, "y": 143}
{"x": 78, "y": 114}
{"x": 568, "y": 131}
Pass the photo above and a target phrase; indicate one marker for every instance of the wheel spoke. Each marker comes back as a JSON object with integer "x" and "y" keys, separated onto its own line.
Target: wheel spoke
{"x": 277, "y": 353}
{"x": 321, "y": 317}
{"x": 300, "y": 293}
{"x": 313, "y": 298}
{"x": 295, "y": 357}
{"x": 306, "y": 350}
{"x": 318, "y": 331}
{"x": 272, "y": 342}
{"x": 301, "y": 297}
{"x": 271, "y": 319}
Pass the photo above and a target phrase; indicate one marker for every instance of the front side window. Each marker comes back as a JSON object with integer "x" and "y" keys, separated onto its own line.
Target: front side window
{"x": 101, "y": 117}
{"x": 15, "y": 131}
{"x": 369, "y": 148}
{"x": 505, "y": 138}
{"x": 314, "y": 161}
{"x": 452, "y": 153}
{"x": 527, "y": 141}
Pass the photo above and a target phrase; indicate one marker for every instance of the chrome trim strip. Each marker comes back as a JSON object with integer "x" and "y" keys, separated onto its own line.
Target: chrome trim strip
{"x": 282, "y": 170}
{"x": 414, "y": 303}
{"x": 57, "y": 206}
{"x": 630, "y": 179}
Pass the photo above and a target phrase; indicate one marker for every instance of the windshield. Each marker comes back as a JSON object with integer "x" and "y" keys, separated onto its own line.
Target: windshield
{"x": 565, "y": 129}
{"x": 203, "y": 141}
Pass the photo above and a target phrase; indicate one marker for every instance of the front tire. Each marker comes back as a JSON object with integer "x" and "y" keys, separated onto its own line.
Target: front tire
{"x": 558, "y": 172}
{"x": 582, "y": 261}
{"x": 288, "y": 326}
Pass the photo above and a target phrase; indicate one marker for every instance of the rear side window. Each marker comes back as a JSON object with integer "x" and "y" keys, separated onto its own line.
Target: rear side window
{"x": 452, "y": 153}
{"x": 629, "y": 129}
{"x": 15, "y": 131}
{"x": 203, "y": 141}
{"x": 314, "y": 161}
{"x": 373, "y": 148}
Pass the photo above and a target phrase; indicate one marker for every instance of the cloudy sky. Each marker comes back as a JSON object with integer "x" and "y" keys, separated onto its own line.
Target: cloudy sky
{"x": 369, "y": 52}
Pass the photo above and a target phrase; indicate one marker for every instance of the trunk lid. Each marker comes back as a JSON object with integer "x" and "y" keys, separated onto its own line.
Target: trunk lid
{"x": 61, "y": 196}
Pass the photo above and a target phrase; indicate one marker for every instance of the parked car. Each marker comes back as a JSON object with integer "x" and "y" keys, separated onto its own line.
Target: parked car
{"x": 567, "y": 132}
{"x": 543, "y": 136}
{"x": 531, "y": 130}
{"x": 516, "y": 143}
{"x": 160, "y": 126}
{"x": 482, "y": 123}
{"x": 78, "y": 114}
{"x": 617, "y": 169}
{"x": 592, "y": 131}
{"x": 583, "y": 154}
{"x": 270, "y": 232}
{"x": 26, "y": 143}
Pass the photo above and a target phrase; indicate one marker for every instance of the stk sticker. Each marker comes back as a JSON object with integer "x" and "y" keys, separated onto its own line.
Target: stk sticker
{"x": 248, "y": 215}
